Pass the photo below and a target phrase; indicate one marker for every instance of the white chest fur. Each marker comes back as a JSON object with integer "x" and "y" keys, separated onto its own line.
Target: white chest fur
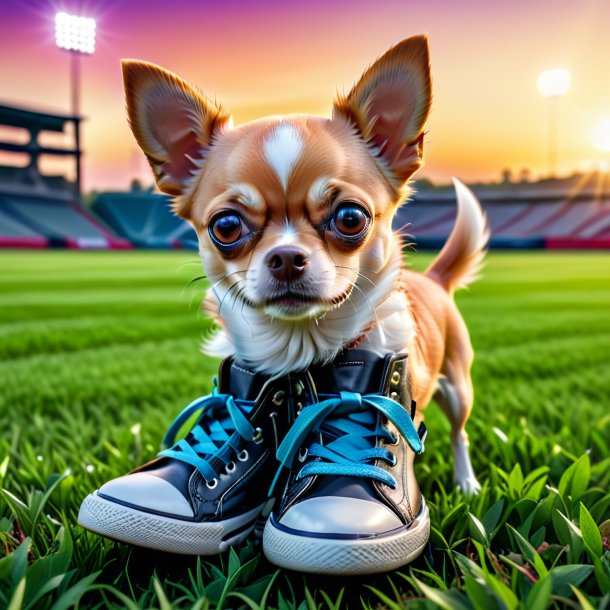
{"x": 276, "y": 346}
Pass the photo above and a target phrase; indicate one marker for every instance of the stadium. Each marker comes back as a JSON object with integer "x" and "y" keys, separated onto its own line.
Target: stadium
{"x": 46, "y": 211}
{"x": 101, "y": 287}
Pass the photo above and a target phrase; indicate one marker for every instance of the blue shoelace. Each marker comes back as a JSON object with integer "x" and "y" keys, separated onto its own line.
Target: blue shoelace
{"x": 222, "y": 422}
{"x": 350, "y": 425}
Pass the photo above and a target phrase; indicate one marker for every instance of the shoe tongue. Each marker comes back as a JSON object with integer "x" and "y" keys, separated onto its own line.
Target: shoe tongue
{"x": 355, "y": 370}
{"x": 241, "y": 383}
{"x": 345, "y": 487}
{"x": 357, "y": 421}
{"x": 238, "y": 380}
{"x": 359, "y": 371}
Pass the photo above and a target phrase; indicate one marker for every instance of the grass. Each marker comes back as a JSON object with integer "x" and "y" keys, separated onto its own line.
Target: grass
{"x": 99, "y": 351}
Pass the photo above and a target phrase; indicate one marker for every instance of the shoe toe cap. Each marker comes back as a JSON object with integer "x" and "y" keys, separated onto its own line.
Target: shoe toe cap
{"x": 340, "y": 515}
{"x": 148, "y": 492}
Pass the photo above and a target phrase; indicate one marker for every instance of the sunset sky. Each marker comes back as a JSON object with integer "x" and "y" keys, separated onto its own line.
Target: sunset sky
{"x": 281, "y": 57}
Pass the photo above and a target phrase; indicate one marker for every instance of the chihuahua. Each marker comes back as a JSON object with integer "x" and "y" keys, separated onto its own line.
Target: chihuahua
{"x": 294, "y": 219}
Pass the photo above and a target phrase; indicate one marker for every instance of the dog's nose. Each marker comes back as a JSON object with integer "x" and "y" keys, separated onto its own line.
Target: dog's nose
{"x": 286, "y": 263}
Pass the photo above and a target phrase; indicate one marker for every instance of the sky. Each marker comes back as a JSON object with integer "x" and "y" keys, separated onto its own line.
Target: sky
{"x": 280, "y": 57}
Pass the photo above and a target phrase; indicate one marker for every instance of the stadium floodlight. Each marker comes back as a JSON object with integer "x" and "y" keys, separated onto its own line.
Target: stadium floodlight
{"x": 74, "y": 33}
{"x": 601, "y": 137}
{"x": 553, "y": 84}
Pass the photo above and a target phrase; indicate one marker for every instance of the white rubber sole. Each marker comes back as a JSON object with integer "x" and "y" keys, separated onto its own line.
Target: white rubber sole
{"x": 126, "y": 524}
{"x": 346, "y": 557}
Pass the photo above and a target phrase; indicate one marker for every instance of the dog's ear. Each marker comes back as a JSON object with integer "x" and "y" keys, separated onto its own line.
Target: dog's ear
{"x": 390, "y": 104}
{"x": 173, "y": 123}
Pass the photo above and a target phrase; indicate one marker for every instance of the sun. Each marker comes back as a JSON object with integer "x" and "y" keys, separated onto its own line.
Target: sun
{"x": 601, "y": 136}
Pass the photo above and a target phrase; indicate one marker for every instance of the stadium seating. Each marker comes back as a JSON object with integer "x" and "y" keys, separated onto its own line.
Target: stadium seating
{"x": 43, "y": 222}
{"x": 15, "y": 234}
{"x": 573, "y": 213}
{"x": 520, "y": 216}
{"x": 145, "y": 219}
{"x": 40, "y": 209}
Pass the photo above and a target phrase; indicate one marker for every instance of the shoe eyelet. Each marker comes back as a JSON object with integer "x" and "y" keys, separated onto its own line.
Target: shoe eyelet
{"x": 395, "y": 439}
{"x": 243, "y": 456}
{"x": 212, "y": 484}
{"x": 258, "y": 436}
{"x": 303, "y": 454}
{"x": 278, "y": 397}
{"x": 230, "y": 467}
{"x": 394, "y": 461}
{"x": 299, "y": 408}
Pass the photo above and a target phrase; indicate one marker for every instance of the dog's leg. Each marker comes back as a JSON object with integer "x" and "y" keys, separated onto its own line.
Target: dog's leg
{"x": 455, "y": 399}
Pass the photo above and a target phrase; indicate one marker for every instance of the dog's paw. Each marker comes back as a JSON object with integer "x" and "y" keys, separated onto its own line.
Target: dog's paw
{"x": 469, "y": 486}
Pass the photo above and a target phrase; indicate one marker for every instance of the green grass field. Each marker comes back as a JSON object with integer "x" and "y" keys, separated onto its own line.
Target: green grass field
{"x": 100, "y": 350}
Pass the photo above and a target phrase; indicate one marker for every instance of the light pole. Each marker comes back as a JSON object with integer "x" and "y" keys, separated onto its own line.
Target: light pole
{"x": 601, "y": 137}
{"x": 553, "y": 84}
{"x": 77, "y": 36}
{"x": 601, "y": 140}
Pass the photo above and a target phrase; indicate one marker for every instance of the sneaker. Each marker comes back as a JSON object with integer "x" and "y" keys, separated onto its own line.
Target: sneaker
{"x": 205, "y": 492}
{"x": 351, "y": 504}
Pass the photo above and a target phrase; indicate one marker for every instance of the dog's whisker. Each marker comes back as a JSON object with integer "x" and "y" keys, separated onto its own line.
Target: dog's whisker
{"x": 357, "y": 287}
{"x": 199, "y": 278}
{"x": 349, "y": 300}
{"x": 189, "y": 284}
{"x": 368, "y": 301}
{"x": 240, "y": 295}
{"x": 235, "y": 297}
{"x": 228, "y": 275}
{"x": 226, "y": 294}
{"x": 243, "y": 315}
{"x": 357, "y": 273}
{"x": 402, "y": 228}
{"x": 182, "y": 265}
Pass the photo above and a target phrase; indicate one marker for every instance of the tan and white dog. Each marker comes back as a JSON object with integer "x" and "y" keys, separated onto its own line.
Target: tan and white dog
{"x": 294, "y": 218}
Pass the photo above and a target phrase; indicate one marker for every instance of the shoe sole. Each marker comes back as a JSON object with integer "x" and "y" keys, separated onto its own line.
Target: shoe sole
{"x": 139, "y": 528}
{"x": 346, "y": 557}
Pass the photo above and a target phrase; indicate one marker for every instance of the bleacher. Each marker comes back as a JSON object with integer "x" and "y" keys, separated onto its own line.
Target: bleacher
{"x": 16, "y": 234}
{"x": 145, "y": 219}
{"x": 39, "y": 210}
{"x": 567, "y": 213}
{"x": 55, "y": 222}
{"x": 520, "y": 216}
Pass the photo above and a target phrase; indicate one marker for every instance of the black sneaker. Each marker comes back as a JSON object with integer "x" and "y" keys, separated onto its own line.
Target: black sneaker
{"x": 205, "y": 492}
{"x": 351, "y": 504}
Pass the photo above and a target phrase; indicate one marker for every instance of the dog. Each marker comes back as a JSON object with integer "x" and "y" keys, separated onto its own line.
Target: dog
{"x": 294, "y": 219}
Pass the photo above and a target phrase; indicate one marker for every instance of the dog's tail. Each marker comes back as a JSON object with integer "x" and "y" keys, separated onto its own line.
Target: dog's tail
{"x": 461, "y": 258}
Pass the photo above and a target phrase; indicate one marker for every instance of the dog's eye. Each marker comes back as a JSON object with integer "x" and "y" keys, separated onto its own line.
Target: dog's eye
{"x": 350, "y": 219}
{"x": 227, "y": 229}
